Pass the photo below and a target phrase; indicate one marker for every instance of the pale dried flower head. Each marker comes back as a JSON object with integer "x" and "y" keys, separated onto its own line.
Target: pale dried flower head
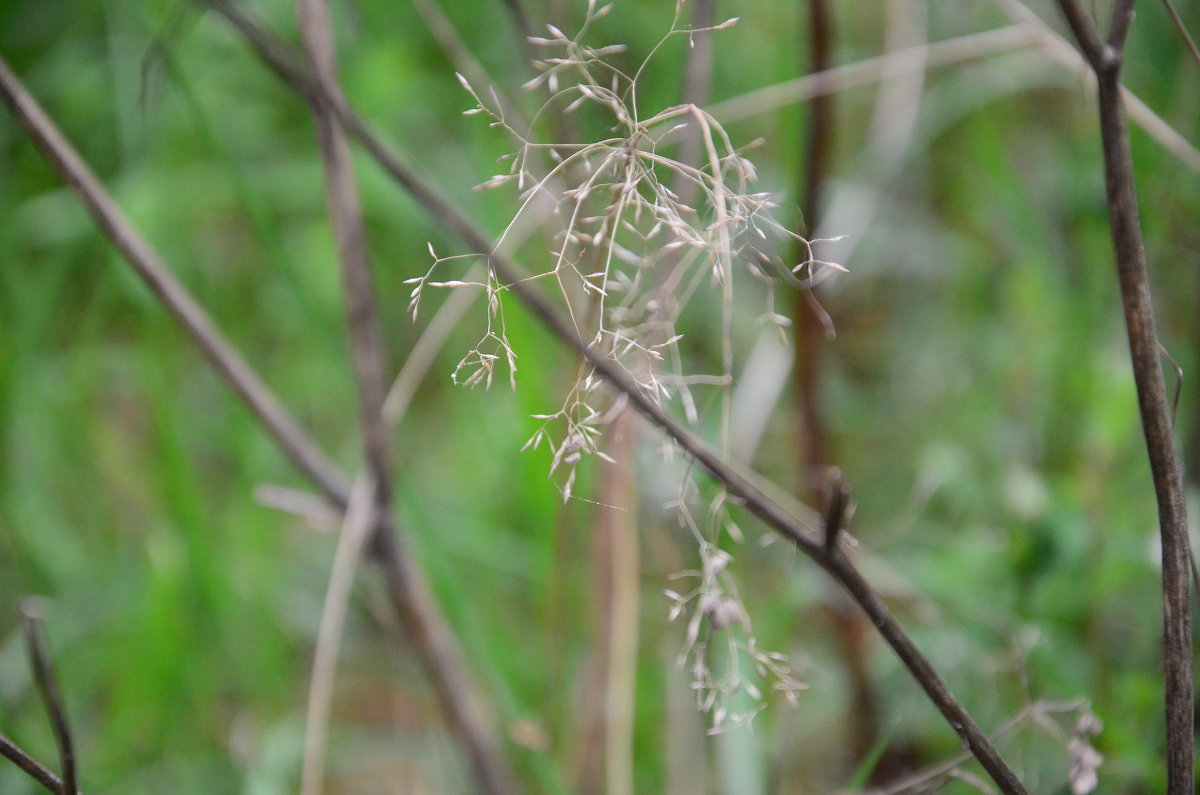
{"x": 628, "y": 255}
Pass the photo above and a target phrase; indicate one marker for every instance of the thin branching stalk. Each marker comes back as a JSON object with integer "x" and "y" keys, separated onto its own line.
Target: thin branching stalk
{"x": 615, "y": 557}
{"x": 1105, "y": 58}
{"x": 43, "y": 676}
{"x": 30, "y": 766}
{"x": 738, "y": 486}
{"x": 369, "y": 362}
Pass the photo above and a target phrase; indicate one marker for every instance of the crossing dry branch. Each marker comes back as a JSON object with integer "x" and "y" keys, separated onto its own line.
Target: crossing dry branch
{"x": 407, "y": 587}
{"x": 739, "y": 486}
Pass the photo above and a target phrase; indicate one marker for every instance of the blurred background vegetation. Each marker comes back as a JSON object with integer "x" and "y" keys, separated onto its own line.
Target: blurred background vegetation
{"x": 978, "y": 397}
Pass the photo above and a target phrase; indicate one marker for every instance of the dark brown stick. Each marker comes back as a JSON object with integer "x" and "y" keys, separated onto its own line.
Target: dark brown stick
{"x": 837, "y": 502}
{"x": 32, "y": 767}
{"x": 738, "y": 485}
{"x": 368, "y": 357}
{"x": 1105, "y": 59}
{"x": 43, "y": 676}
{"x": 407, "y": 590}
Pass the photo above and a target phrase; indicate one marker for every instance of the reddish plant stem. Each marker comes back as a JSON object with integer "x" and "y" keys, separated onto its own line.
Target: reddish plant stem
{"x": 607, "y": 754}
{"x": 810, "y": 342}
{"x": 808, "y": 371}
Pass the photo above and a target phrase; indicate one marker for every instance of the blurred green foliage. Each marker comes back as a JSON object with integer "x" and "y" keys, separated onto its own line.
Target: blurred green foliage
{"x": 978, "y": 395}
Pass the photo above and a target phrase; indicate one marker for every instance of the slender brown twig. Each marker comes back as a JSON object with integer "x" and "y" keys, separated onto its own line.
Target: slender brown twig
{"x": 365, "y": 339}
{"x": 606, "y": 720}
{"x": 43, "y": 676}
{"x": 407, "y": 589}
{"x": 1105, "y": 58}
{"x": 32, "y": 767}
{"x": 737, "y": 485}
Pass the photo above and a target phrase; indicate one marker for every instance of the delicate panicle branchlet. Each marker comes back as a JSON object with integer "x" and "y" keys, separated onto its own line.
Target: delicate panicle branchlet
{"x": 714, "y": 610}
{"x": 627, "y": 258}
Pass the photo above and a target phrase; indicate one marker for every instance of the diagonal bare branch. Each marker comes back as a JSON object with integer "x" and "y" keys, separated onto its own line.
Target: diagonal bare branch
{"x": 43, "y": 675}
{"x": 738, "y": 485}
{"x": 32, "y": 767}
{"x": 407, "y": 587}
